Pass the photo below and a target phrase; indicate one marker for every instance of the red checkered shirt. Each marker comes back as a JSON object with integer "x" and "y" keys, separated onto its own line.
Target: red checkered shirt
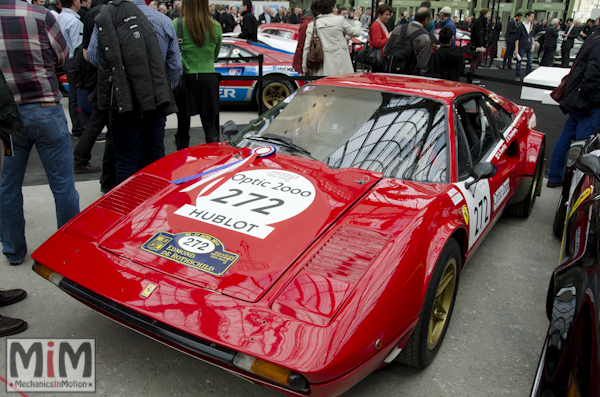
{"x": 31, "y": 44}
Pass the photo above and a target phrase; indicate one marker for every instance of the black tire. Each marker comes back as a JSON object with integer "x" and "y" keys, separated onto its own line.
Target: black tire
{"x": 523, "y": 208}
{"x": 558, "y": 226}
{"x": 275, "y": 92}
{"x": 425, "y": 342}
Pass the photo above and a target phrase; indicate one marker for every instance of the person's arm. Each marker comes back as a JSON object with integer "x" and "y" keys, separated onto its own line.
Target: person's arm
{"x": 60, "y": 49}
{"x": 574, "y": 33}
{"x": 309, "y": 33}
{"x": 590, "y": 85}
{"x": 174, "y": 67}
{"x": 351, "y": 29}
{"x": 92, "y": 51}
{"x": 423, "y": 52}
{"x": 376, "y": 32}
{"x": 219, "y": 38}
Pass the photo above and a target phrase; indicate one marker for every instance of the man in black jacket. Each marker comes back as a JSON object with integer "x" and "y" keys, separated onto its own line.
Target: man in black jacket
{"x": 550, "y": 39}
{"x": 581, "y": 101}
{"x": 494, "y": 37}
{"x": 448, "y": 62}
{"x": 249, "y": 22}
{"x": 135, "y": 79}
{"x": 511, "y": 37}
{"x": 478, "y": 42}
{"x": 569, "y": 37}
{"x": 228, "y": 22}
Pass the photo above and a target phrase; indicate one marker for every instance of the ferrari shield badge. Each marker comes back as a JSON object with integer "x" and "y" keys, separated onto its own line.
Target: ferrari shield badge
{"x": 148, "y": 290}
{"x": 197, "y": 250}
{"x": 465, "y": 212}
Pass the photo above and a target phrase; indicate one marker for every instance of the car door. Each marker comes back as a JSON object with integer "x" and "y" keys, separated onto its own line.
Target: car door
{"x": 243, "y": 65}
{"x": 479, "y": 125}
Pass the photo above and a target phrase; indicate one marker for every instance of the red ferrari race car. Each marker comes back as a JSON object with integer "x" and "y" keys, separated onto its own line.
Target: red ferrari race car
{"x": 276, "y": 63}
{"x": 320, "y": 243}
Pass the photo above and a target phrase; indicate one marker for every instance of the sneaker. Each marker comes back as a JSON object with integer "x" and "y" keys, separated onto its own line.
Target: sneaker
{"x": 100, "y": 139}
{"x": 89, "y": 168}
{"x": 475, "y": 81}
{"x": 17, "y": 263}
{"x": 518, "y": 79}
{"x": 11, "y": 296}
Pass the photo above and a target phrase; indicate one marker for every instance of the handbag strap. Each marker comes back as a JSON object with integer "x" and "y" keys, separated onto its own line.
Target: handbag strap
{"x": 179, "y": 33}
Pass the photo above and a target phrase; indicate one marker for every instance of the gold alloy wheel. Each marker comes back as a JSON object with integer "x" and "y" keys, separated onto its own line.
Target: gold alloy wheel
{"x": 441, "y": 305}
{"x": 274, "y": 93}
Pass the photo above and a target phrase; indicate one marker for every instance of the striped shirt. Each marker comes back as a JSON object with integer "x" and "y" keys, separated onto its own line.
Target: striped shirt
{"x": 31, "y": 44}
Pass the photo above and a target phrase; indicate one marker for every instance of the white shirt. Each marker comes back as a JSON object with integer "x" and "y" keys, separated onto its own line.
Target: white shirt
{"x": 72, "y": 29}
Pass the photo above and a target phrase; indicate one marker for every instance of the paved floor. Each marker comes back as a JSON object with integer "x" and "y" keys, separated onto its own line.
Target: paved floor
{"x": 491, "y": 348}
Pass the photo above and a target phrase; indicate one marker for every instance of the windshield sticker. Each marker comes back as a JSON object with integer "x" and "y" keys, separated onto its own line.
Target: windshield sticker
{"x": 196, "y": 250}
{"x": 250, "y": 201}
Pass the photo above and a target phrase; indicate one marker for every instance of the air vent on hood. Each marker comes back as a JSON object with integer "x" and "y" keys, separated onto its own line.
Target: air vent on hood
{"x": 128, "y": 196}
{"x": 347, "y": 254}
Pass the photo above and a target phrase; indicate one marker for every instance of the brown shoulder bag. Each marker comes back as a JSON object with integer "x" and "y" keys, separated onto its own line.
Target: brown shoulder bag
{"x": 314, "y": 58}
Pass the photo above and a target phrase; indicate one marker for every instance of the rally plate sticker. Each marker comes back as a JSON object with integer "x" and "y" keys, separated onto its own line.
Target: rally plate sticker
{"x": 197, "y": 250}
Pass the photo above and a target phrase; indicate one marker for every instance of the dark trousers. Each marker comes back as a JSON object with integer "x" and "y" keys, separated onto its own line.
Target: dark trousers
{"x": 548, "y": 57}
{"x": 476, "y": 61}
{"x": 565, "y": 53}
{"x": 77, "y": 124}
{"x": 493, "y": 52}
{"x": 108, "y": 179}
{"x": 507, "y": 61}
{"x": 93, "y": 128}
{"x": 209, "y": 124}
{"x": 132, "y": 131}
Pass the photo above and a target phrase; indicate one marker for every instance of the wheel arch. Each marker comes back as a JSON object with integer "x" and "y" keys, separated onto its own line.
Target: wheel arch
{"x": 294, "y": 83}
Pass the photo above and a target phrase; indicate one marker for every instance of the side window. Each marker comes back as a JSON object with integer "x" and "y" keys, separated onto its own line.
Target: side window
{"x": 237, "y": 52}
{"x": 224, "y": 51}
{"x": 463, "y": 157}
{"x": 501, "y": 117}
{"x": 477, "y": 128}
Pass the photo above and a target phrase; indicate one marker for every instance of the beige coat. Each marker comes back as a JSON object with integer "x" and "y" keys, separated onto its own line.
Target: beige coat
{"x": 332, "y": 30}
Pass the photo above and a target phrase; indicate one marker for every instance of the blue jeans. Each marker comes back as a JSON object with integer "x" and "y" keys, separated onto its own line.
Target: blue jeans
{"x": 578, "y": 126}
{"x": 132, "y": 131}
{"x": 522, "y": 53}
{"x": 46, "y": 128}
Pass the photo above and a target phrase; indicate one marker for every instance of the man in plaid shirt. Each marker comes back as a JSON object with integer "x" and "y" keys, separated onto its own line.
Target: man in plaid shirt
{"x": 31, "y": 45}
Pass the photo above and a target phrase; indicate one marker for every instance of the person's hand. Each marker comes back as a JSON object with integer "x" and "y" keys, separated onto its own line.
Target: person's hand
{"x": 357, "y": 12}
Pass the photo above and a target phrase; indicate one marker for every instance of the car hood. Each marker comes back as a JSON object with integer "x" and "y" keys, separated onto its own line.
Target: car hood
{"x": 236, "y": 230}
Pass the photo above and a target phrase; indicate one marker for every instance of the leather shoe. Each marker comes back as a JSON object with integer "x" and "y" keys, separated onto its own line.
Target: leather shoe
{"x": 11, "y": 326}
{"x": 11, "y": 296}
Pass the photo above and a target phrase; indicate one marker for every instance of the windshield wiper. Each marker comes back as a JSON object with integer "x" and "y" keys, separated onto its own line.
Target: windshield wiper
{"x": 282, "y": 142}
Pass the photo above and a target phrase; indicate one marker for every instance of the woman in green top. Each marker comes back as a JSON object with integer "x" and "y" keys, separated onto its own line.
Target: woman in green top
{"x": 199, "y": 51}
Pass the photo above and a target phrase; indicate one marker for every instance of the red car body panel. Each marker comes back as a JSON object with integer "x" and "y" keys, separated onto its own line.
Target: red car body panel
{"x": 275, "y": 303}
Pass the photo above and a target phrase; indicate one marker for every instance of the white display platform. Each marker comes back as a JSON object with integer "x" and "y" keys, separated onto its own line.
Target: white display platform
{"x": 546, "y": 76}
{"x": 547, "y": 99}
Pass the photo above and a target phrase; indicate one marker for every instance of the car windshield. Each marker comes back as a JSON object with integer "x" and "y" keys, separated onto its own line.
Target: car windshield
{"x": 286, "y": 34}
{"x": 401, "y": 136}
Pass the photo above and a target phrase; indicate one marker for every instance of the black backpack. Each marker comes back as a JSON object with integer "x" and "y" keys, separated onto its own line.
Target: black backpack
{"x": 401, "y": 59}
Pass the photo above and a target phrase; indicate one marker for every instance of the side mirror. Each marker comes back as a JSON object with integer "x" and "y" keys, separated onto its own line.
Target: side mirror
{"x": 229, "y": 129}
{"x": 481, "y": 171}
{"x": 589, "y": 165}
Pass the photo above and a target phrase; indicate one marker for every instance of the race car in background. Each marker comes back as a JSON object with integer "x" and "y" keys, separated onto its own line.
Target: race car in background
{"x": 276, "y": 63}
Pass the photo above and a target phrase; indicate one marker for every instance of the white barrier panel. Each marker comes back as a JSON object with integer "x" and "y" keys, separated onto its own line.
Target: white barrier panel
{"x": 545, "y": 76}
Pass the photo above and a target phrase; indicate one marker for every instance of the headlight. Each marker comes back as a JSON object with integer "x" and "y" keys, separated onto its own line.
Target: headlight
{"x": 270, "y": 371}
